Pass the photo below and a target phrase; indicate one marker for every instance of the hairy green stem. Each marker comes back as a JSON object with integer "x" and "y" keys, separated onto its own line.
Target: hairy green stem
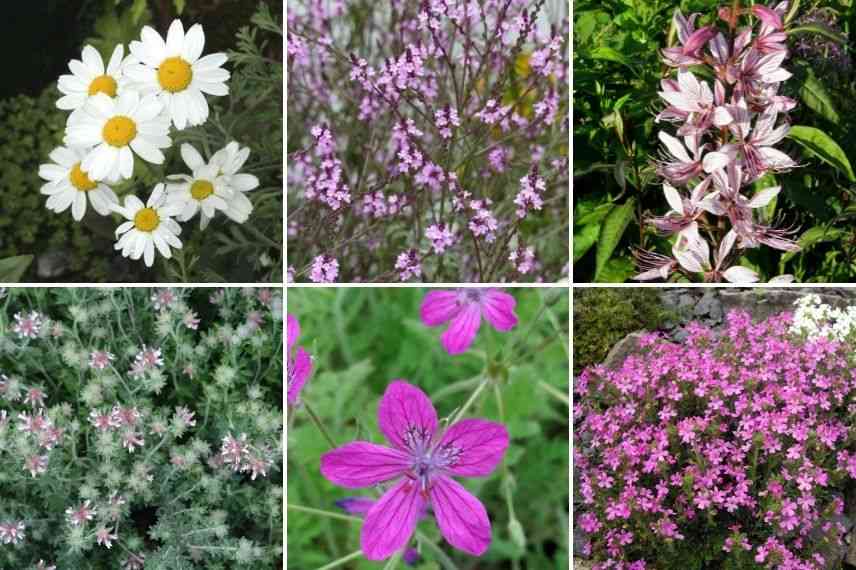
{"x": 342, "y": 561}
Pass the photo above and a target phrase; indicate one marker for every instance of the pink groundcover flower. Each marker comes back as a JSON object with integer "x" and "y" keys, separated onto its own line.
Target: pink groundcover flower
{"x": 418, "y": 467}
{"x": 299, "y": 365}
{"x": 465, "y": 308}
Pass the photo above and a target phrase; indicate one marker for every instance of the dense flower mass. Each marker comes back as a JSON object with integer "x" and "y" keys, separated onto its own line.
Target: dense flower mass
{"x": 99, "y": 423}
{"x": 727, "y": 130}
{"x": 433, "y": 128}
{"x": 124, "y": 111}
{"x": 732, "y": 444}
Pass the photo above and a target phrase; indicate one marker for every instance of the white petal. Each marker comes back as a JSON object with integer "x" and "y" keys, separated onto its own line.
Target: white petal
{"x": 764, "y": 196}
{"x": 675, "y": 147}
{"x": 673, "y": 198}
{"x": 194, "y": 43}
{"x": 715, "y": 160}
{"x": 191, "y": 157}
{"x": 92, "y": 60}
{"x": 740, "y": 274}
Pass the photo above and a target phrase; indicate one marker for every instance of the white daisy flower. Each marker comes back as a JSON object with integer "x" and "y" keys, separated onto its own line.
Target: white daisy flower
{"x": 174, "y": 71}
{"x": 206, "y": 190}
{"x": 89, "y": 77}
{"x": 115, "y": 127}
{"x": 69, "y": 185}
{"x": 148, "y": 227}
{"x": 229, "y": 160}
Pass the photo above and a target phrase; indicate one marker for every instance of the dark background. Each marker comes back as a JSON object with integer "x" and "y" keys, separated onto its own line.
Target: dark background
{"x": 39, "y": 37}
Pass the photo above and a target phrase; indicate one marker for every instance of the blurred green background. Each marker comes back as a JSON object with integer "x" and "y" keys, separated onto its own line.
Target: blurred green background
{"x": 360, "y": 340}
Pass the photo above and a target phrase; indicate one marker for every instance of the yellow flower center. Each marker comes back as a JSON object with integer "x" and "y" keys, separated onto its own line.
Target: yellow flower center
{"x": 80, "y": 180}
{"x": 174, "y": 74}
{"x": 119, "y": 131}
{"x": 201, "y": 189}
{"x": 146, "y": 220}
{"x": 103, "y": 84}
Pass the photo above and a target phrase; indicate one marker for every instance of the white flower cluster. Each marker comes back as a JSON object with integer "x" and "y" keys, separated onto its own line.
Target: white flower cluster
{"x": 126, "y": 110}
{"x": 814, "y": 319}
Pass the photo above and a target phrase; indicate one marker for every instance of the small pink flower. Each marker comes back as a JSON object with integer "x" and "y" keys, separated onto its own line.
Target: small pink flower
{"x": 12, "y": 532}
{"x": 36, "y": 464}
{"x": 42, "y": 565}
{"x": 191, "y": 320}
{"x": 104, "y": 537}
{"x": 325, "y": 269}
{"x": 163, "y": 299}
{"x": 102, "y": 421}
{"x": 185, "y": 416}
{"x": 146, "y": 359}
{"x": 28, "y": 325}
{"x": 299, "y": 365}
{"x": 234, "y": 450}
{"x": 35, "y": 397}
{"x": 465, "y": 308}
{"x": 100, "y": 359}
{"x": 131, "y": 440}
{"x": 420, "y": 466}
{"x": 83, "y": 513}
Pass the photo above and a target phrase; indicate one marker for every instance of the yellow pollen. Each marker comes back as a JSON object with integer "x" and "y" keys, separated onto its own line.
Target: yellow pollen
{"x": 80, "y": 180}
{"x": 146, "y": 220}
{"x": 119, "y": 131}
{"x": 174, "y": 74}
{"x": 201, "y": 189}
{"x": 103, "y": 84}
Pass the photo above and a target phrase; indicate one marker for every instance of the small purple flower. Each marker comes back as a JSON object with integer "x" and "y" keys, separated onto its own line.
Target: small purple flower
{"x": 465, "y": 308}
{"x": 359, "y": 506}
{"x": 299, "y": 366}
{"x": 419, "y": 465}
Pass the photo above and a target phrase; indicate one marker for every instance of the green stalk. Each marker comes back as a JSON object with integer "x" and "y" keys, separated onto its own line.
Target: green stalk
{"x": 322, "y": 513}
{"x": 317, "y": 421}
{"x": 342, "y": 561}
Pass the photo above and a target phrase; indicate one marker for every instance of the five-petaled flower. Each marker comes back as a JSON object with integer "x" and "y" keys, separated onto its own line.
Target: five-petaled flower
{"x": 299, "y": 362}
{"x": 419, "y": 468}
{"x": 465, "y": 308}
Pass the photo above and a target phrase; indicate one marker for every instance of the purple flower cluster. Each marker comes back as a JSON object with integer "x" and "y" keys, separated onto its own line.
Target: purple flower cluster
{"x": 438, "y": 135}
{"x": 735, "y": 436}
{"x": 728, "y": 132}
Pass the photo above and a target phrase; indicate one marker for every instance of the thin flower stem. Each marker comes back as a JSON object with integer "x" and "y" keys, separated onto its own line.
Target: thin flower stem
{"x": 342, "y": 561}
{"x": 555, "y": 393}
{"x": 441, "y": 556}
{"x": 321, "y": 513}
{"x": 471, "y": 401}
{"x": 319, "y": 424}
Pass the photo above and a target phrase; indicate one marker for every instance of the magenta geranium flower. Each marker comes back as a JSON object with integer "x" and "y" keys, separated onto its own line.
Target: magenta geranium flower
{"x": 360, "y": 506}
{"x": 465, "y": 308}
{"x": 419, "y": 468}
{"x": 299, "y": 364}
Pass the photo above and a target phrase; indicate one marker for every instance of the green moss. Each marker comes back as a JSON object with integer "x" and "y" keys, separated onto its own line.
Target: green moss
{"x": 30, "y": 128}
{"x": 602, "y": 317}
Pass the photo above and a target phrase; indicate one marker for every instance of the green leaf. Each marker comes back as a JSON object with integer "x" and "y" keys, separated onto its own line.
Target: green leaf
{"x": 814, "y": 94}
{"x": 608, "y": 54}
{"x": 617, "y": 270}
{"x": 179, "y": 6}
{"x": 814, "y": 236}
{"x": 584, "y": 215}
{"x": 822, "y": 145}
{"x": 584, "y": 240}
{"x": 13, "y": 268}
{"x": 610, "y": 233}
{"x": 821, "y": 30}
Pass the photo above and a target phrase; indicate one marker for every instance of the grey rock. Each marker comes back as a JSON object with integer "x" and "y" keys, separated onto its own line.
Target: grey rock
{"x": 580, "y": 540}
{"x": 623, "y": 348}
{"x": 52, "y": 264}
